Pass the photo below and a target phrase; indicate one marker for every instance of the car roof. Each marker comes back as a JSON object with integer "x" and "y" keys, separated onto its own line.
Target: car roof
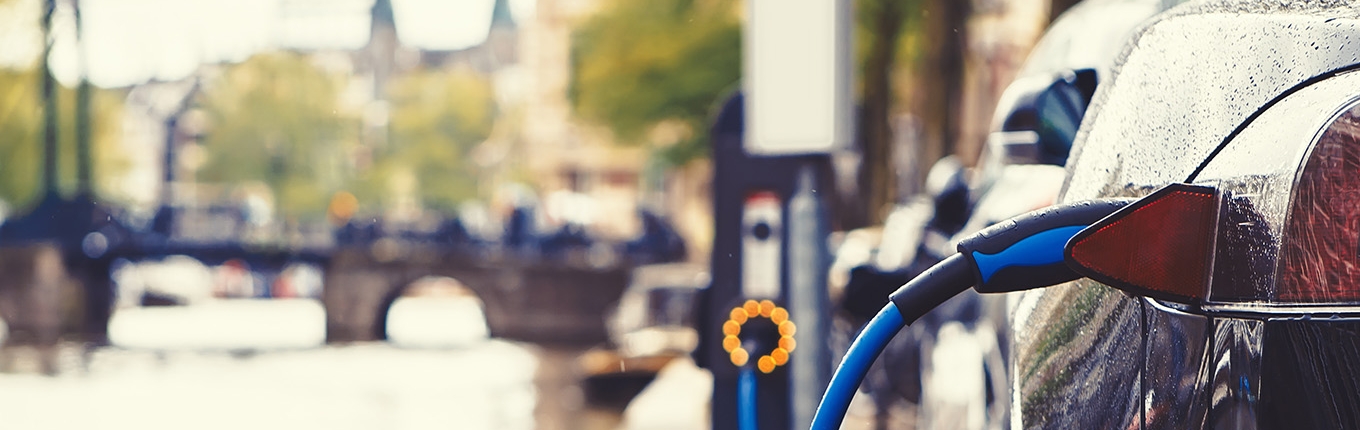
{"x": 1089, "y": 35}
{"x": 1191, "y": 76}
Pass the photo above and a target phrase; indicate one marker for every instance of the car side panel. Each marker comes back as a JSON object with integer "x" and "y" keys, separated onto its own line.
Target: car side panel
{"x": 1176, "y": 367}
{"x": 1077, "y": 358}
{"x": 1310, "y": 374}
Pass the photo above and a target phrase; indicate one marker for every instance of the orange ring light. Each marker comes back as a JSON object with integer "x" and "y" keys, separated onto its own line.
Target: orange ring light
{"x": 762, "y": 309}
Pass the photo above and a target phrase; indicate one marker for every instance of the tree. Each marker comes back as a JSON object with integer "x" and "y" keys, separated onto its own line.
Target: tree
{"x": 21, "y": 149}
{"x": 639, "y": 64}
{"x": 878, "y": 26}
{"x": 274, "y": 119}
{"x": 438, "y": 116}
{"x": 20, "y": 134}
{"x": 923, "y": 40}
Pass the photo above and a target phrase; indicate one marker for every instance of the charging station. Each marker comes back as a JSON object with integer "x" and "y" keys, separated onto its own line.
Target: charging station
{"x": 761, "y": 237}
{"x": 765, "y": 319}
{"x": 752, "y": 198}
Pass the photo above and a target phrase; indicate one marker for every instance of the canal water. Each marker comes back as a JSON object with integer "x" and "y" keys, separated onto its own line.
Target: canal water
{"x": 262, "y": 364}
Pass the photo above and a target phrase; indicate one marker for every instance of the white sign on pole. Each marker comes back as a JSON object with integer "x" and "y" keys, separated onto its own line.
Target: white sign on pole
{"x": 761, "y": 236}
{"x": 796, "y": 76}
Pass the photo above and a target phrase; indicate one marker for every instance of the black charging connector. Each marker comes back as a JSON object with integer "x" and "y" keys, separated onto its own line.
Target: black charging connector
{"x": 1026, "y": 252}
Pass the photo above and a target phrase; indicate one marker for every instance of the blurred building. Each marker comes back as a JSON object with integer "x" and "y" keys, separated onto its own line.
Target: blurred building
{"x": 559, "y": 152}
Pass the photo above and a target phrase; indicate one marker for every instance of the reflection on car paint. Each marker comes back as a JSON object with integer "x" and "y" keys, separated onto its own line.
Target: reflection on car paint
{"x": 1077, "y": 362}
{"x": 1310, "y": 374}
{"x": 1175, "y": 367}
{"x": 1235, "y": 382}
{"x": 1245, "y": 252}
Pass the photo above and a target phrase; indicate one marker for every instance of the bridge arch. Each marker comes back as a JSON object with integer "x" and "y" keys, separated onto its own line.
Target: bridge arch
{"x": 360, "y": 290}
{"x": 436, "y": 311}
{"x": 528, "y": 301}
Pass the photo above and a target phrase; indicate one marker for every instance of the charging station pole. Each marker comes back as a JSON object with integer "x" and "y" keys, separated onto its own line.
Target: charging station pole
{"x": 772, "y": 185}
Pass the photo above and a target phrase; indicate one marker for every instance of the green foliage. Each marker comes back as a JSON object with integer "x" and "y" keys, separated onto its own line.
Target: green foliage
{"x": 437, "y": 118}
{"x": 21, "y": 146}
{"x": 20, "y": 137}
{"x": 869, "y": 14}
{"x": 106, "y": 134}
{"x": 640, "y": 63}
{"x": 274, "y": 119}
{"x": 909, "y": 58}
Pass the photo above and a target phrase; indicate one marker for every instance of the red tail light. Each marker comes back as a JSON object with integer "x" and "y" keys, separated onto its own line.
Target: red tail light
{"x": 1158, "y": 246}
{"x": 1318, "y": 258}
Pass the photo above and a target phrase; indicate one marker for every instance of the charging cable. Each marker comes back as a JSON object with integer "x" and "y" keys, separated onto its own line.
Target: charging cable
{"x": 1022, "y": 253}
{"x": 746, "y": 399}
{"x": 774, "y": 336}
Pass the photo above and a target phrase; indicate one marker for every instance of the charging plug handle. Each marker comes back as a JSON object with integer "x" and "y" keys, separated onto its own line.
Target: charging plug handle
{"x": 1026, "y": 252}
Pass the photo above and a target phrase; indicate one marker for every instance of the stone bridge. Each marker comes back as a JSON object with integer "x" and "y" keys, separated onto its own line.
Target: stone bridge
{"x": 46, "y": 295}
{"x": 562, "y": 303}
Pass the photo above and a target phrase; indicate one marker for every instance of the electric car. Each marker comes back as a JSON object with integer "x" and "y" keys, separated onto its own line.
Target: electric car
{"x": 1251, "y": 318}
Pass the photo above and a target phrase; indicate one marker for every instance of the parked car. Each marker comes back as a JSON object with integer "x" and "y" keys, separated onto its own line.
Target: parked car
{"x": 1021, "y": 169}
{"x": 1259, "y": 100}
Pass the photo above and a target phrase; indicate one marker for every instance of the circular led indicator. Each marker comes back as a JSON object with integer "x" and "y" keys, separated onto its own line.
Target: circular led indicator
{"x": 762, "y": 309}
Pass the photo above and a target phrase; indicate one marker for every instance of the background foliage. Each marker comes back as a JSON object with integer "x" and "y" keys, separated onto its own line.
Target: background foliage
{"x": 438, "y": 117}
{"x": 638, "y": 64}
{"x": 274, "y": 120}
{"x": 21, "y": 137}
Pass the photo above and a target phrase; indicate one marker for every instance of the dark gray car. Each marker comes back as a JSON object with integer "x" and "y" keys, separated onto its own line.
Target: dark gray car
{"x": 1260, "y": 100}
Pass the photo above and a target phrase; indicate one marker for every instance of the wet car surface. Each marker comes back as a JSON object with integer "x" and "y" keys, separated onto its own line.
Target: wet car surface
{"x": 1257, "y": 100}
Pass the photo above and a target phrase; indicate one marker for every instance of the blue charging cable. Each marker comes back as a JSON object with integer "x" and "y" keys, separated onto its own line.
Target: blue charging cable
{"x": 746, "y": 399}
{"x": 855, "y": 365}
{"x": 1022, "y": 253}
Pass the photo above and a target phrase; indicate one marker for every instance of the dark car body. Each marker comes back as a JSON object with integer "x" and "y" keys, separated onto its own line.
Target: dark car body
{"x": 1257, "y": 99}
